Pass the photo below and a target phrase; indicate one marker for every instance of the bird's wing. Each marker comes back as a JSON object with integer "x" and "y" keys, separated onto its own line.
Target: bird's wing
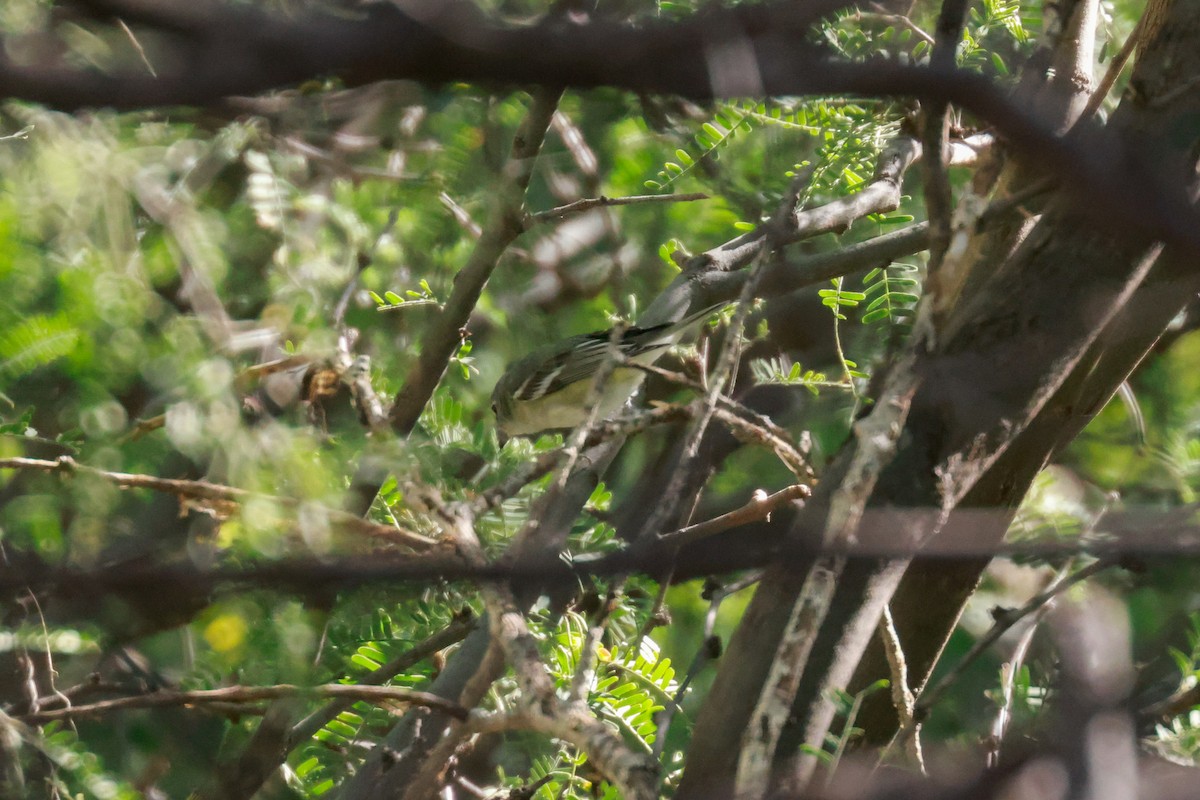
{"x": 580, "y": 356}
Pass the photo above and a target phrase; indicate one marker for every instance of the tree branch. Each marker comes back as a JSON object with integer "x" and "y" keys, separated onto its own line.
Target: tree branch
{"x": 257, "y": 51}
{"x": 902, "y": 695}
{"x": 1003, "y": 620}
{"x": 935, "y": 129}
{"x": 379, "y": 695}
{"x": 218, "y": 494}
{"x": 759, "y": 507}
{"x": 503, "y": 226}
{"x": 587, "y": 204}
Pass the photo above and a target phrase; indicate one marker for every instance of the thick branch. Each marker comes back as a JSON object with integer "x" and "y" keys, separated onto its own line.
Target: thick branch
{"x": 504, "y": 224}
{"x": 751, "y": 49}
{"x": 1008, "y": 354}
{"x": 935, "y": 128}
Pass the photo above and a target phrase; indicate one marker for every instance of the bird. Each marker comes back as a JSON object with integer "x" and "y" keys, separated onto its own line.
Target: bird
{"x": 549, "y": 388}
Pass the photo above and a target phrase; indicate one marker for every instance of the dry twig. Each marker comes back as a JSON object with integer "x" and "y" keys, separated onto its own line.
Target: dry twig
{"x": 380, "y": 695}
{"x": 587, "y": 204}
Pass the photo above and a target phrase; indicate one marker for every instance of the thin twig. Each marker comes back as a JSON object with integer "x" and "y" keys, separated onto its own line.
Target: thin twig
{"x": 875, "y": 435}
{"x": 271, "y": 367}
{"x": 1179, "y": 91}
{"x": 587, "y": 204}
{"x": 540, "y": 706}
{"x": 657, "y": 616}
{"x": 461, "y": 215}
{"x": 358, "y": 378}
{"x": 745, "y": 423}
{"x": 589, "y": 651}
{"x": 207, "y": 492}
{"x": 1008, "y": 682}
{"x": 1178, "y": 703}
{"x": 545, "y": 462}
{"x": 844, "y": 739}
{"x": 1003, "y": 620}
{"x": 50, "y": 670}
{"x": 143, "y": 426}
{"x": 1000, "y": 208}
{"x": 751, "y": 427}
{"x": 451, "y": 634}
{"x": 882, "y": 14}
{"x": 380, "y": 695}
{"x": 197, "y": 490}
{"x": 576, "y": 440}
{"x": 138, "y": 47}
{"x": 1114, "y": 70}
{"x": 709, "y": 651}
{"x": 364, "y": 260}
{"x": 759, "y": 507}
{"x": 706, "y": 405}
{"x": 583, "y": 156}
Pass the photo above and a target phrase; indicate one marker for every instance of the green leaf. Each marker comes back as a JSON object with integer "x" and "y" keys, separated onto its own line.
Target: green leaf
{"x": 35, "y": 341}
{"x": 824, "y": 756}
{"x": 22, "y": 426}
{"x": 341, "y": 729}
{"x": 666, "y": 249}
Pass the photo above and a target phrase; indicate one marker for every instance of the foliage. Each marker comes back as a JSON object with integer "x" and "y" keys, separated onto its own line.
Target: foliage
{"x": 889, "y": 294}
{"x": 153, "y": 264}
{"x": 778, "y": 371}
{"x": 1179, "y": 739}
